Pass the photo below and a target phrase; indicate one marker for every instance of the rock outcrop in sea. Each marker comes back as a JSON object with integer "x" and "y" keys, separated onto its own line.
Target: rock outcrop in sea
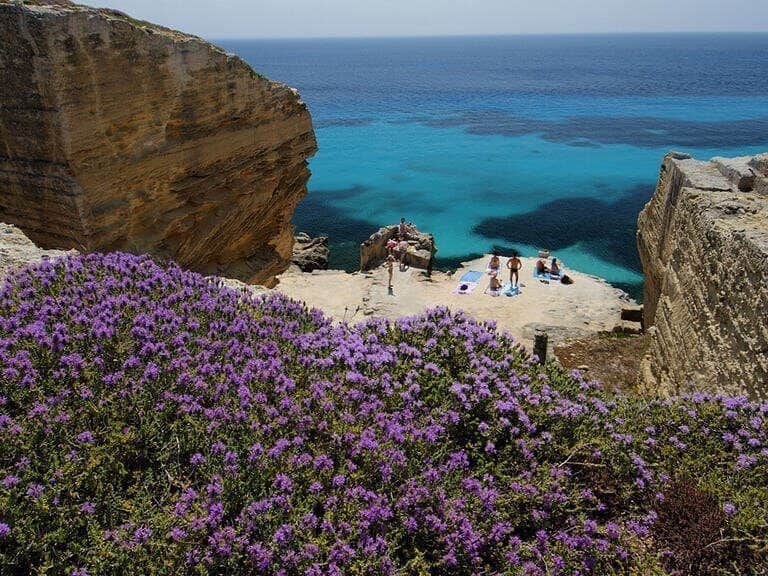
{"x": 117, "y": 134}
{"x": 703, "y": 242}
{"x": 311, "y": 253}
{"x": 373, "y": 251}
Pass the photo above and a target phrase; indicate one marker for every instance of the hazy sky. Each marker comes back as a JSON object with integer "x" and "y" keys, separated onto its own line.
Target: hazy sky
{"x": 307, "y": 18}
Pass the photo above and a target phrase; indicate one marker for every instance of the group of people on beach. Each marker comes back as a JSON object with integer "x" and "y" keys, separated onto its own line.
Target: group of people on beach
{"x": 553, "y": 272}
{"x": 514, "y": 265}
{"x": 542, "y": 268}
{"x": 397, "y": 248}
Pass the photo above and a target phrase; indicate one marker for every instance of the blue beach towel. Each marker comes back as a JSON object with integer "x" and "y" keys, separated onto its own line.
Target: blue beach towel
{"x": 547, "y": 275}
{"x": 471, "y": 276}
{"x": 510, "y": 290}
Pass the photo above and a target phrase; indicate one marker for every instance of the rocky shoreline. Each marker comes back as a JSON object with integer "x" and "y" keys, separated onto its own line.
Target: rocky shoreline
{"x": 589, "y": 306}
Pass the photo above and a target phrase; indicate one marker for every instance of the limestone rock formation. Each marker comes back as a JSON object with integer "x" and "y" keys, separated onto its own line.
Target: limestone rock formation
{"x": 117, "y": 134}
{"x": 421, "y": 254}
{"x": 18, "y": 251}
{"x": 310, "y": 253}
{"x": 703, "y": 242}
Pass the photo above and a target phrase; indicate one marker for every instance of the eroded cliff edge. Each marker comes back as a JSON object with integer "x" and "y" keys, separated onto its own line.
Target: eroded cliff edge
{"x": 703, "y": 242}
{"x": 117, "y": 134}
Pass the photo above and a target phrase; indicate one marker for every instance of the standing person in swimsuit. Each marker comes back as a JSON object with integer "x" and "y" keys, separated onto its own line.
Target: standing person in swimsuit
{"x": 514, "y": 265}
{"x": 390, "y": 268}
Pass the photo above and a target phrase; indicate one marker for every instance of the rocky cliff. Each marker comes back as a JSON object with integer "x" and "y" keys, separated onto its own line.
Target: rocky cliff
{"x": 117, "y": 134}
{"x": 703, "y": 241}
{"x": 18, "y": 251}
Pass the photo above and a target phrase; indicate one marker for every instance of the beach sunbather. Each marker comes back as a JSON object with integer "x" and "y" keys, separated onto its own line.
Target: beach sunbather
{"x": 494, "y": 265}
{"x": 541, "y": 267}
{"x": 405, "y": 229}
{"x": 554, "y": 269}
{"x": 390, "y": 268}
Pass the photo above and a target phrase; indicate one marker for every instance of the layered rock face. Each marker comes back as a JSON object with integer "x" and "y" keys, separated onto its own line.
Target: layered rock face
{"x": 121, "y": 135}
{"x": 703, "y": 242}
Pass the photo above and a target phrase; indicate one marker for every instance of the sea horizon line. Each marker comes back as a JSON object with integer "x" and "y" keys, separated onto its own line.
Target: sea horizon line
{"x": 213, "y": 38}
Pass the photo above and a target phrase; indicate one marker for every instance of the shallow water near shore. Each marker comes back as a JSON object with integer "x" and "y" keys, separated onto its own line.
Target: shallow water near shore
{"x": 513, "y": 142}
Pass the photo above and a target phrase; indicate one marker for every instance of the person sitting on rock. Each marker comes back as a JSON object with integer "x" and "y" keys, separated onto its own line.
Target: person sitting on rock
{"x": 402, "y": 228}
{"x": 402, "y": 251}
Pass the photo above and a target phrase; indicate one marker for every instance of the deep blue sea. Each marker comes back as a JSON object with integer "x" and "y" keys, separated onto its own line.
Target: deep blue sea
{"x": 525, "y": 142}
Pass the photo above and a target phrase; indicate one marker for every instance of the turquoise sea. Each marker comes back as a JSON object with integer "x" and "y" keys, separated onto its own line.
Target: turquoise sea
{"x": 524, "y": 142}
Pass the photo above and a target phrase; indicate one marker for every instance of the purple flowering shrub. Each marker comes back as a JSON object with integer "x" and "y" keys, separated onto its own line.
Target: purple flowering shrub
{"x": 152, "y": 422}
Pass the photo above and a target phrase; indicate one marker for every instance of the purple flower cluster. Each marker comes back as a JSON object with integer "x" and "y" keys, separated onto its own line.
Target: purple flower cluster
{"x": 152, "y": 421}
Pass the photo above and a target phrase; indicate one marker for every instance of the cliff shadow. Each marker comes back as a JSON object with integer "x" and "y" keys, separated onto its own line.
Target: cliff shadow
{"x": 317, "y": 216}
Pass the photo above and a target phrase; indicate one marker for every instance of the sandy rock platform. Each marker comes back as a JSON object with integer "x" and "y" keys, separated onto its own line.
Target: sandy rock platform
{"x": 566, "y": 312}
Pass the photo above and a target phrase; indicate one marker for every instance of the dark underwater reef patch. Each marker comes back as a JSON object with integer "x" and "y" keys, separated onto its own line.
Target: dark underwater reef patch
{"x": 317, "y": 216}
{"x": 335, "y": 194}
{"x": 449, "y": 264}
{"x": 343, "y": 122}
{"x": 604, "y": 228}
{"x": 590, "y": 131}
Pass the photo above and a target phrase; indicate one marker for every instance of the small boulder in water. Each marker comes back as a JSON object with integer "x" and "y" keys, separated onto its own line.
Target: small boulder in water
{"x": 310, "y": 253}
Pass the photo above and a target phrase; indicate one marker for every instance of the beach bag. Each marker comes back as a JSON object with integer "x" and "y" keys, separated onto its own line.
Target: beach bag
{"x": 566, "y": 279}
